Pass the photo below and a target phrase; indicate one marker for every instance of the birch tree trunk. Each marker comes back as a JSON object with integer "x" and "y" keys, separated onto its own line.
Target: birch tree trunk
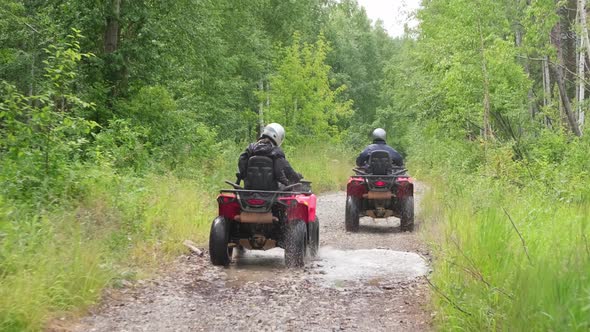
{"x": 558, "y": 69}
{"x": 584, "y": 25}
{"x": 585, "y": 45}
{"x": 581, "y": 76}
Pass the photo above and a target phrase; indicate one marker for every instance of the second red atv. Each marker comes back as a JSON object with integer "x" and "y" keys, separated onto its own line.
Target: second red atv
{"x": 261, "y": 217}
{"x": 380, "y": 191}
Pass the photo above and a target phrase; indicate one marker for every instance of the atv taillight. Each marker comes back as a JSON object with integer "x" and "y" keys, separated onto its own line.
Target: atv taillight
{"x": 225, "y": 199}
{"x": 255, "y": 201}
{"x": 380, "y": 183}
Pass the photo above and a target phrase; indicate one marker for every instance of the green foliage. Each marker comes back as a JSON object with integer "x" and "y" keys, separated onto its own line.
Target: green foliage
{"x": 41, "y": 138}
{"x": 113, "y": 145}
{"x": 301, "y": 96}
{"x": 506, "y": 215}
{"x": 360, "y": 53}
{"x": 491, "y": 278}
{"x": 122, "y": 146}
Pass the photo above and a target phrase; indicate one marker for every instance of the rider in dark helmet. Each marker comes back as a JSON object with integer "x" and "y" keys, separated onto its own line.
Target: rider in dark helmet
{"x": 379, "y": 144}
{"x": 268, "y": 145}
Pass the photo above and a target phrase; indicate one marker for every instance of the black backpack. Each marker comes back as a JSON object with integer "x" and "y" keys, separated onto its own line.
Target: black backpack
{"x": 380, "y": 163}
{"x": 260, "y": 174}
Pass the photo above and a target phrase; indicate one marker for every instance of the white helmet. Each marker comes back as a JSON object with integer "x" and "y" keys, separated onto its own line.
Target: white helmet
{"x": 275, "y": 132}
{"x": 379, "y": 134}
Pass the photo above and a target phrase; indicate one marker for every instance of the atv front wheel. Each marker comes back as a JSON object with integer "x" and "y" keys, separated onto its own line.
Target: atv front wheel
{"x": 219, "y": 251}
{"x": 351, "y": 216}
{"x": 314, "y": 237}
{"x": 295, "y": 244}
{"x": 407, "y": 214}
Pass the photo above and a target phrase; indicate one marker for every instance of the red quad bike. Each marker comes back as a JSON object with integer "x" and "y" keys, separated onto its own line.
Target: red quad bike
{"x": 261, "y": 217}
{"x": 381, "y": 191}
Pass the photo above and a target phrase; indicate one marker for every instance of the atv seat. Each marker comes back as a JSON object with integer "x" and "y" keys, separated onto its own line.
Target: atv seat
{"x": 260, "y": 174}
{"x": 380, "y": 163}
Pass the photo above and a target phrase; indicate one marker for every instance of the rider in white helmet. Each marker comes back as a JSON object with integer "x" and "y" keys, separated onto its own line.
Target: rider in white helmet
{"x": 269, "y": 145}
{"x": 379, "y": 143}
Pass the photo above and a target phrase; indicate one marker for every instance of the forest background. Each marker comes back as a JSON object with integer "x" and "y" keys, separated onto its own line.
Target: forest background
{"x": 120, "y": 119}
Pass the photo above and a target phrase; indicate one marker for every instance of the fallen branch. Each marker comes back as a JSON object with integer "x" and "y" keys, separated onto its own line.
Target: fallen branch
{"x": 193, "y": 247}
{"x": 586, "y": 243}
{"x": 474, "y": 271}
{"x": 519, "y": 235}
{"x": 478, "y": 276}
{"x": 436, "y": 289}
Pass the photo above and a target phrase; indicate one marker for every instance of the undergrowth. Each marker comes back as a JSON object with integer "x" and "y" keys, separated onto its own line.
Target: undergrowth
{"x": 120, "y": 225}
{"x": 510, "y": 237}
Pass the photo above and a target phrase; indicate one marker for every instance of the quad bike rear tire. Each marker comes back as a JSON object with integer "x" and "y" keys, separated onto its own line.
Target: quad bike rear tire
{"x": 296, "y": 244}
{"x": 351, "y": 216}
{"x": 314, "y": 237}
{"x": 219, "y": 251}
{"x": 407, "y": 214}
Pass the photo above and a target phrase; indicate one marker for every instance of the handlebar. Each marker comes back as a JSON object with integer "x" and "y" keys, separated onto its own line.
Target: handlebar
{"x": 359, "y": 171}
{"x": 236, "y": 186}
{"x": 397, "y": 170}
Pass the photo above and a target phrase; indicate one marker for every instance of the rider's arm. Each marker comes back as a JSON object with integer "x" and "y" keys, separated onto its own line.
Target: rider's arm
{"x": 243, "y": 163}
{"x": 362, "y": 159}
{"x": 397, "y": 159}
{"x": 285, "y": 173}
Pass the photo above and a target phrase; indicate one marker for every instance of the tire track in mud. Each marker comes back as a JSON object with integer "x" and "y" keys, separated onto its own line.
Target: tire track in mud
{"x": 366, "y": 281}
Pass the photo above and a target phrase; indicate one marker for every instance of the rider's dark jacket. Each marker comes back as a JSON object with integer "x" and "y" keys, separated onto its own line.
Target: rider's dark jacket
{"x": 284, "y": 173}
{"x": 363, "y": 158}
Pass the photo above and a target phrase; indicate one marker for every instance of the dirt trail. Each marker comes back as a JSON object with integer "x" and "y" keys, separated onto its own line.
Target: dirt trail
{"x": 368, "y": 281}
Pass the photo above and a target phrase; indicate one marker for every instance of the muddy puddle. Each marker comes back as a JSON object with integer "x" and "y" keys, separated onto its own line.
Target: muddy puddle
{"x": 333, "y": 267}
{"x": 370, "y": 266}
{"x": 256, "y": 266}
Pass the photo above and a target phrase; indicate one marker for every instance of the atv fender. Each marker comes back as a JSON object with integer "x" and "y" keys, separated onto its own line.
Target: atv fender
{"x": 356, "y": 187}
{"x": 405, "y": 187}
{"x": 229, "y": 207}
{"x": 301, "y": 207}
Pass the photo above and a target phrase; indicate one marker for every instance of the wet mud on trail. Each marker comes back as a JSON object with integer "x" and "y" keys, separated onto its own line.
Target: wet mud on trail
{"x": 372, "y": 280}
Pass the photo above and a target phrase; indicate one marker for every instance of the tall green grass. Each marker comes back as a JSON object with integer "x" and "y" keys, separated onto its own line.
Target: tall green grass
{"x": 58, "y": 259}
{"x": 328, "y": 167}
{"x": 509, "y": 255}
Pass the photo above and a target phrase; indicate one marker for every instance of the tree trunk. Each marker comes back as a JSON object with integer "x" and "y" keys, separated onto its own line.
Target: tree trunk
{"x": 487, "y": 128}
{"x": 111, "y": 35}
{"x": 584, "y": 25}
{"x": 585, "y": 44}
{"x": 567, "y": 106}
{"x": 581, "y": 73}
{"x": 546, "y": 82}
{"x": 558, "y": 68}
{"x": 547, "y": 89}
{"x": 261, "y": 108}
{"x": 32, "y": 72}
{"x": 268, "y": 95}
{"x": 531, "y": 95}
